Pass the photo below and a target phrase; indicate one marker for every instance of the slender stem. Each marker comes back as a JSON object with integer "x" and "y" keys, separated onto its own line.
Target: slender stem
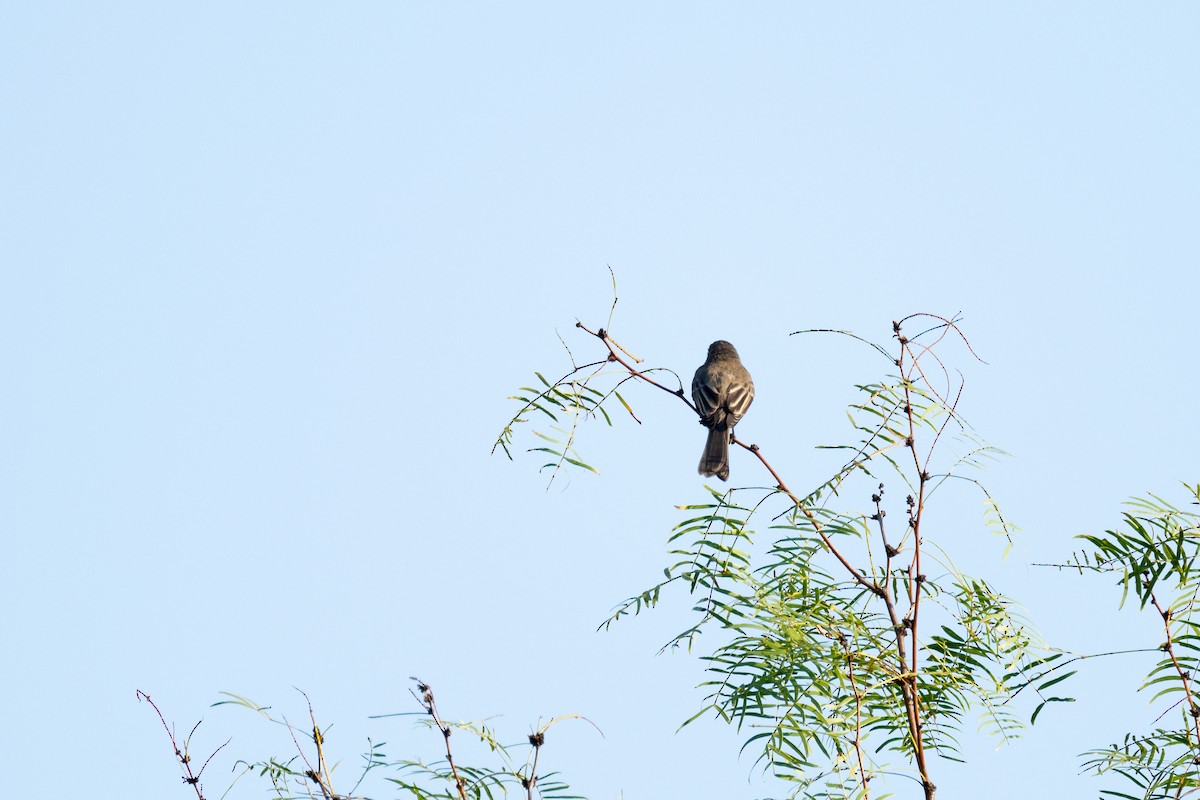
{"x": 862, "y": 770}
{"x": 1169, "y": 646}
{"x": 427, "y": 700}
{"x": 906, "y": 678}
{"x": 189, "y": 777}
{"x": 325, "y": 780}
{"x": 612, "y": 346}
{"x": 916, "y": 576}
{"x": 1063, "y": 664}
{"x": 313, "y": 775}
{"x": 536, "y": 739}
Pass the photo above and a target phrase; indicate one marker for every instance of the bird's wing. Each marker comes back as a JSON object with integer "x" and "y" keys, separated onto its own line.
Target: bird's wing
{"x": 706, "y": 395}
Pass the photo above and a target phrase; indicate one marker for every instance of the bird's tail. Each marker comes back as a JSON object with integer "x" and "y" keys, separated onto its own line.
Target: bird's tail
{"x": 715, "y": 460}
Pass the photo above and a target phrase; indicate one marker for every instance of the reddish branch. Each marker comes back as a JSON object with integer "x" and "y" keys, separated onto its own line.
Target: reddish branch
{"x": 909, "y": 680}
{"x": 1169, "y": 647}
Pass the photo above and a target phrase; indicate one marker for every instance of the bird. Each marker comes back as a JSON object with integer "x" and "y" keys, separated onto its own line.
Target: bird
{"x": 722, "y": 391}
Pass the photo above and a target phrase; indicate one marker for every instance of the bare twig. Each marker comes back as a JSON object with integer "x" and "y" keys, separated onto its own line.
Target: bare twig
{"x": 181, "y": 754}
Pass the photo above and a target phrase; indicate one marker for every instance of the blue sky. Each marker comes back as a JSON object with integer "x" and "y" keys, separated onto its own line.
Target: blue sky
{"x": 271, "y": 270}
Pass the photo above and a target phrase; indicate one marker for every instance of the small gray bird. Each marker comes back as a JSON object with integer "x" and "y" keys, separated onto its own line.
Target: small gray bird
{"x": 722, "y": 391}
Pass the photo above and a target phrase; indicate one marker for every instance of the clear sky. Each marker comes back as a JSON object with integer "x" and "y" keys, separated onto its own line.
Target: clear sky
{"x": 268, "y": 272}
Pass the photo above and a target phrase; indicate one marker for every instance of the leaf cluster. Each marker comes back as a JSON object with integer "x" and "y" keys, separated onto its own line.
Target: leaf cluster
{"x": 1155, "y": 556}
{"x": 817, "y": 657}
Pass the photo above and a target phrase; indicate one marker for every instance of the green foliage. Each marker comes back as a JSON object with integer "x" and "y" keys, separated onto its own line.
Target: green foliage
{"x": 1154, "y": 556}
{"x": 809, "y": 665}
{"x": 833, "y": 648}
{"x": 839, "y": 643}
{"x": 566, "y": 404}
{"x": 1161, "y": 765}
{"x": 1158, "y": 545}
{"x": 567, "y": 399}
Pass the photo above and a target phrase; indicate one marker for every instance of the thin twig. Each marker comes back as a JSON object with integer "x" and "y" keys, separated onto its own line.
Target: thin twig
{"x": 536, "y": 739}
{"x": 916, "y": 577}
{"x": 1169, "y": 647}
{"x": 181, "y": 754}
{"x": 906, "y": 678}
{"x": 325, "y": 780}
{"x": 1072, "y": 660}
{"x": 426, "y": 700}
{"x": 862, "y": 769}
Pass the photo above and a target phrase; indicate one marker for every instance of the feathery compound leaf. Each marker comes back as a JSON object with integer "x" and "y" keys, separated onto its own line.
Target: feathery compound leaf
{"x": 1155, "y": 555}
{"x": 815, "y": 650}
